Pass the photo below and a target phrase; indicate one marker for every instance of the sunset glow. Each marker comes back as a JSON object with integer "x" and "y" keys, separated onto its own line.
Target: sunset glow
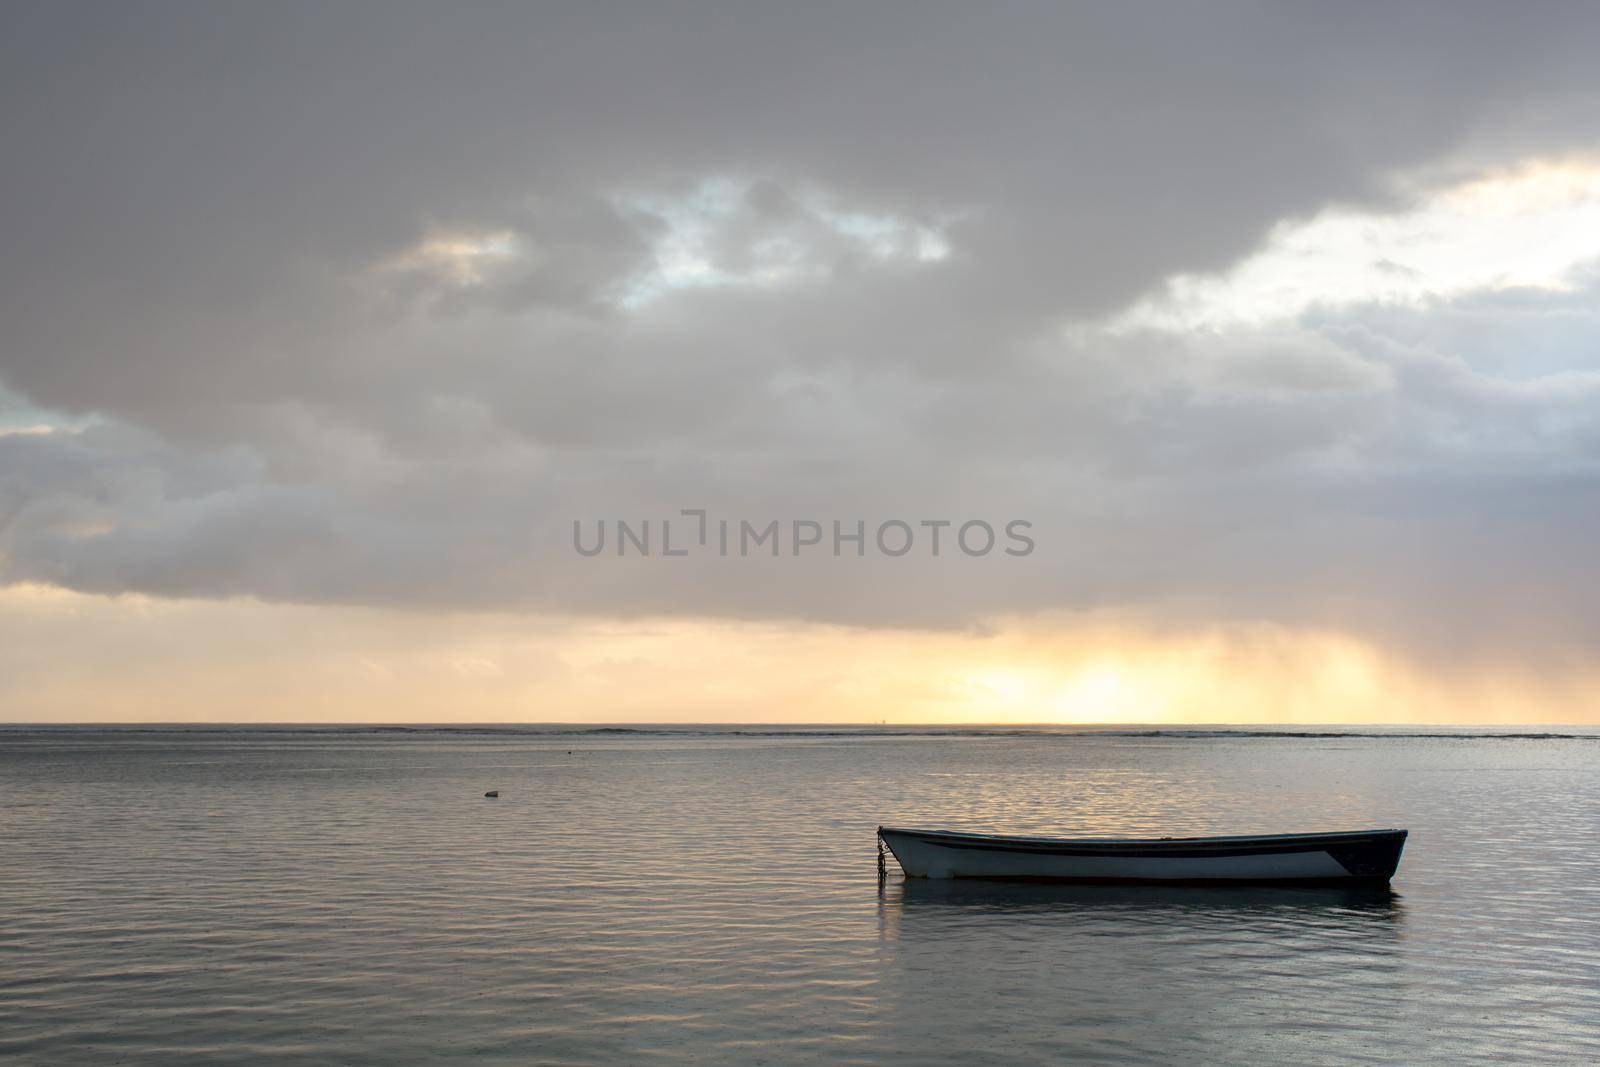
{"x": 1264, "y": 390}
{"x": 246, "y": 660}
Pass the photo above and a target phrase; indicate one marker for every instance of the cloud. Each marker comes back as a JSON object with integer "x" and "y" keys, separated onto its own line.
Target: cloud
{"x": 1532, "y": 228}
{"x": 1253, "y": 313}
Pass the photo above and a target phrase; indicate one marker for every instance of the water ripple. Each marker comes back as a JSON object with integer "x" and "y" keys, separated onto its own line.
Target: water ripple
{"x": 316, "y": 895}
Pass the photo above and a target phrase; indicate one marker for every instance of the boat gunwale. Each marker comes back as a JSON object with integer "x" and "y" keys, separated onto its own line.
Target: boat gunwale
{"x": 1243, "y": 844}
{"x": 1244, "y": 839}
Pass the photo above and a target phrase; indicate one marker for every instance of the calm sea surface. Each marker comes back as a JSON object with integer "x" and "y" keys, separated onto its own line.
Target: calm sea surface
{"x": 304, "y": 895}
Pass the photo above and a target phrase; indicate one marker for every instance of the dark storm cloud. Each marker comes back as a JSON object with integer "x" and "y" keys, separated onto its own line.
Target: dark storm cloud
{"x": 370, "y": 302}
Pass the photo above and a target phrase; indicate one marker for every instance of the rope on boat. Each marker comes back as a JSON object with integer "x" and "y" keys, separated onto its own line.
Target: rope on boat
{"x": 883, "y": 869}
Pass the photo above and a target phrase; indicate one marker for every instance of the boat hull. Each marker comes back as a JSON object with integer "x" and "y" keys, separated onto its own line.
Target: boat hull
{"x": 1364, "y": 856}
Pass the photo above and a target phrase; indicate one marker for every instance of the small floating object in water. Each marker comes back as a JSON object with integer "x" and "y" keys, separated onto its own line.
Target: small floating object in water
{"x": 1348, "y": 858}
{"x": 492, "y": 793}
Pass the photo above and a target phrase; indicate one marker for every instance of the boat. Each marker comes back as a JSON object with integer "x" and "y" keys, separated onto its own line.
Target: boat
{"x": 1365, "y": 857}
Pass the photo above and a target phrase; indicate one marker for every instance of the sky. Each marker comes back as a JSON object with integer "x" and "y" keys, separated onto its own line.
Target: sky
{"x": 1263, "y": 338}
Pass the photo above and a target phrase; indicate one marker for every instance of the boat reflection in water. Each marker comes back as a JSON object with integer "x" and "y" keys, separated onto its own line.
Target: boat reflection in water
{"x": 1358, "y": 903}
{"x": 1212, "y": 974}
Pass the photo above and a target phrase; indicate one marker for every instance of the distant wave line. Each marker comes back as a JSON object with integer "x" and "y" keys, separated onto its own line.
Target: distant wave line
{"x": 667, "y": 731}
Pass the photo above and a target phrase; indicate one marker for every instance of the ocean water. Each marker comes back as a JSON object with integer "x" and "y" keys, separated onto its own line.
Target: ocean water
{"x": 707, "y": 896}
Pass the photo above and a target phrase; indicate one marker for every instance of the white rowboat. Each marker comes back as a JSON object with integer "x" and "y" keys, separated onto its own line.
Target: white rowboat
{"x": 1358, "y": 856}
